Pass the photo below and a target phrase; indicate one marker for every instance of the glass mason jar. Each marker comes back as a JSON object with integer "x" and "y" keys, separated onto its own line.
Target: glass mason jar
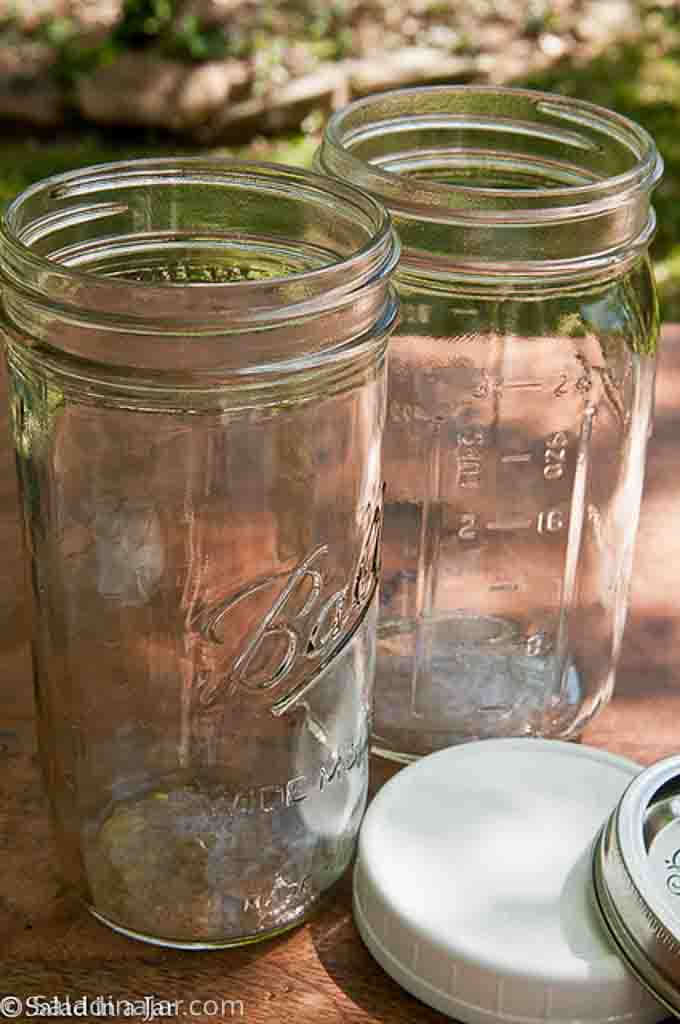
{"x": 519, "y": 402}
{"x": 196, "y": 353}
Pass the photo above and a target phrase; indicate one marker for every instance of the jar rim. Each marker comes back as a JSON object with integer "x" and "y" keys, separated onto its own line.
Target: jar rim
{"x": 375, "y": 258}
{"x": 459, "y": 203}
{"x": 277, "y": 216}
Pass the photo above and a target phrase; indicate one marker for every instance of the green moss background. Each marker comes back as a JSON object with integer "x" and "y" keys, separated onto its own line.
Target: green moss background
{"x": 641, "y": 79}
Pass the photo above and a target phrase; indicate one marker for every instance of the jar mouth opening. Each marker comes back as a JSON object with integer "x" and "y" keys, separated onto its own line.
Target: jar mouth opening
{"x": 486, "y": 154}
{"x": 280, "y": 238}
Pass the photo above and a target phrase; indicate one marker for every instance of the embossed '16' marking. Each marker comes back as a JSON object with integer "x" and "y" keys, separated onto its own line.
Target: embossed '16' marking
{"x": 294, "y": 644}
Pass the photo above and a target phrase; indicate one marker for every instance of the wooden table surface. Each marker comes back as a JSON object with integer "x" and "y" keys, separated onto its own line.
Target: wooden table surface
{"x": 321, "y": 972}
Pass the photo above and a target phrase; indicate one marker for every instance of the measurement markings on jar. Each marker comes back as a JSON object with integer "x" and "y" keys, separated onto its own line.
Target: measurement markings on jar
{"x": 556, "y": 446}
{"x": 517, "y": 524}
{"x": 504, "y": 586}
{"x": 519, "y": 457}
{"x": 516, "y": 385}
{"x": 553, "y": 520}
{"x": 470, "y": 446}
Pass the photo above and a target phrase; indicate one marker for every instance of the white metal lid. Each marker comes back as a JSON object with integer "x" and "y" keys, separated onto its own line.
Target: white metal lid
{"x": 473, "y": 884}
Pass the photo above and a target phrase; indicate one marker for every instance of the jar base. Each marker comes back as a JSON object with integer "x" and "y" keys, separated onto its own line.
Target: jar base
{"x": 173, "y": 866}
{"x": 387, "y": 753}
{"x": 206, "y": 944}
{"x": 449, "y": 680}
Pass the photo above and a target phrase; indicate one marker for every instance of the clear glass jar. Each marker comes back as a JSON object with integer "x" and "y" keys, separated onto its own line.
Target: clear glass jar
{"x": 519, "y": 402}
{"x": 196, "y": 353}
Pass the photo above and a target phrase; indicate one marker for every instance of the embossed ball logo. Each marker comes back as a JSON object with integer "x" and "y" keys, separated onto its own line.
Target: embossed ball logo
{"x": 673, "y": 876}
{"x": 304, "y": 628}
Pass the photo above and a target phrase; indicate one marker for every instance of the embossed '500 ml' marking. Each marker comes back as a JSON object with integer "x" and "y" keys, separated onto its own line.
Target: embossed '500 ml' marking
{"x": 292, "y": 644}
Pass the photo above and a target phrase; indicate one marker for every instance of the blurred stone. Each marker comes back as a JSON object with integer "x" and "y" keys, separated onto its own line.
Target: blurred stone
{"x": 443, "y": 37}
{"x": 23, "y": 59}
{"x": 411, "y": 27}
{"x": 601, "y": 21}
{"x": 205, "y": 89}
{"x": 415, "y": 65}
{"x": 326, "y": 90}
{"x": 96, "y": 14}
{"x": 552, "y": 45}
{"x": 214, "y": 11}
{"x": 145, "y": 90}
{"x": 34, "y": 101}
{"x": 136, "y": 88}
{"x": 278, "y": 86}
{"x": 513, "y": 62}
{"x": 299, "y": 60}
{"x": 32, "y": 13}
{"x": 494, "y": 36}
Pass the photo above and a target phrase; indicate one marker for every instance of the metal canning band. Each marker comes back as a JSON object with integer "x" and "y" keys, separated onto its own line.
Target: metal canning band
{"x": 626, "y": 898}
